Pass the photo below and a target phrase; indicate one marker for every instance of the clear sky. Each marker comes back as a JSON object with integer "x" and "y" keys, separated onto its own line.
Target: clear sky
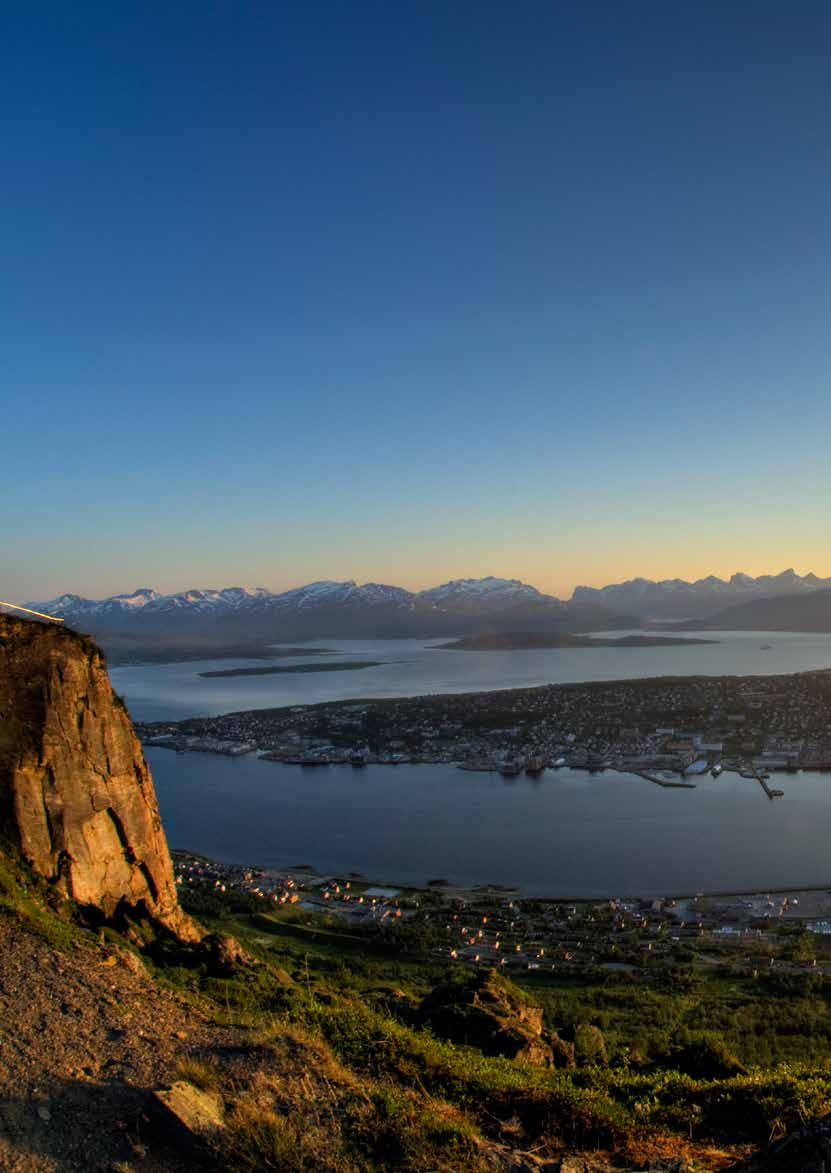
{"x": 411, "y": 291}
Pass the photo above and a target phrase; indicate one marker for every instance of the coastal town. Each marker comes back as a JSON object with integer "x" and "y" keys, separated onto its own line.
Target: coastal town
{"x": 666, "y": 728}
{"x": 491, "y": 927}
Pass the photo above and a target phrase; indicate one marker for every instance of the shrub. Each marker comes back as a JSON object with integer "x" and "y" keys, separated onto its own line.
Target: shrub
{"x": 589, "y": 1045}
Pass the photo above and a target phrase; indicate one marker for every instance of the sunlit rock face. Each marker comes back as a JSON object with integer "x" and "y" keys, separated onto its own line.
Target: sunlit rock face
{"x": 76, "y": 795}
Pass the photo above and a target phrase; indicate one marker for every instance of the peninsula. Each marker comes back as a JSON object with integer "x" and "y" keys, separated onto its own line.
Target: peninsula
{"x": 680, "y": 724}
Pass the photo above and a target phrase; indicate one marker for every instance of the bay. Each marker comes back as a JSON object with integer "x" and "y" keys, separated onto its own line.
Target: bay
{"x": 567, "y": 833}
{"x": 155, "y": 692}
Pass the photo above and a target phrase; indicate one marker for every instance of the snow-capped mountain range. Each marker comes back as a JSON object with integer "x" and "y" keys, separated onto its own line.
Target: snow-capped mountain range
{"x": 484, "y": 594}
{"x": 639, "y": 598}
{"x": 676, "y": 599}
{"x": 328, "y": 610}
{"x": 335, "y": 609}
{"x": 145, "y": 599}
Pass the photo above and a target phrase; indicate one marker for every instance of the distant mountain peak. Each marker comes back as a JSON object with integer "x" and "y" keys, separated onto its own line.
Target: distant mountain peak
{"x": 677, "y": 599}
{"x": 489, "y": 593}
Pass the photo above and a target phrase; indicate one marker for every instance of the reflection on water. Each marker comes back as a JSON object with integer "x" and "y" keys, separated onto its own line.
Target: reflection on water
{"x": 566, "y": 833}
{"x": 414, "y": 667}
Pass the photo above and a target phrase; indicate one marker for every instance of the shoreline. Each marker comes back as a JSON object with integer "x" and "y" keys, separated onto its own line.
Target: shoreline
{"x": 473, "y": 891}
{"x": 628, "y": 725}
{"x": 234, "y": 750}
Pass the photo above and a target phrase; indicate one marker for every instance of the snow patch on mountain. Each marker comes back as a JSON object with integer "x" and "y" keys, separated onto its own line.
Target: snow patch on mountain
{"x": 145, "y": 599}
{"x": 327, "y": 593}
{"x": 486, "y": 593}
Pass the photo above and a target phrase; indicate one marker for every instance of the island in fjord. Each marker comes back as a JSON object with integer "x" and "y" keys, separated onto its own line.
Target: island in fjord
{"x": 341, "y": 666}
{"x": 519, "y": 641}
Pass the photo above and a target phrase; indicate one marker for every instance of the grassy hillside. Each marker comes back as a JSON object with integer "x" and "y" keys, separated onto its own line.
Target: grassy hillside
{"x": 708, "y": 1065}
{"x": 322, "y": 1061}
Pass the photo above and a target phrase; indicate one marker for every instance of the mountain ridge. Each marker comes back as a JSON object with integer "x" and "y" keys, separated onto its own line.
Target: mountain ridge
{"x": 678, "y": 599}
{"x": 332, "y": 609}
{"x": 639, "y": 599}
{"x": 809, "y": 613}
{"x": 489, "y": 589}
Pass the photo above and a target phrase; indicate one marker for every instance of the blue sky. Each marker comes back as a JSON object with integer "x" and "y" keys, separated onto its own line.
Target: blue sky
{"x": 413, "y": 291}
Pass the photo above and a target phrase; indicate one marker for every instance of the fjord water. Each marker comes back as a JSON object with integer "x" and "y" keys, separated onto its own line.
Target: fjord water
{"x": 155, "y": 692}
{"x": 567, "y": 833}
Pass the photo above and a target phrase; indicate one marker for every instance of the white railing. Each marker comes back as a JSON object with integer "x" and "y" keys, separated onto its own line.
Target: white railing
{"x": 29, "y": 611}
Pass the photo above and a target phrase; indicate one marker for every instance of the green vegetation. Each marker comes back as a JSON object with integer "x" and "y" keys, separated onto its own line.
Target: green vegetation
{"x": 687, "y": 1059}
{"x": 37, "y": 906}
{"x": 337, "y": 1070}
{"x": 309, "y": 1111}
{"x": 763, "y": 1015}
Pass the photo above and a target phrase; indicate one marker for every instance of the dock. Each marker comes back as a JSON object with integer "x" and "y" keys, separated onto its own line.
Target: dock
{"x": 664, "y": 781}
{"x": 753, "y": 772}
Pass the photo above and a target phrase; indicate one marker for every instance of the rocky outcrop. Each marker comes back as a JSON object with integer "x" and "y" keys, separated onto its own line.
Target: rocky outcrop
{"x": 225, "y": 956}
{"x": 493, "y": 1015}
{"x": 76, "y": 796}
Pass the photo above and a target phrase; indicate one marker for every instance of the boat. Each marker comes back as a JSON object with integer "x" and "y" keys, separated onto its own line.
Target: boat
{"x": 716, "y": 770}
{"x": 510, "y": 767}
{"x": 535, "y": 764}
{"x": 765, "y": 647}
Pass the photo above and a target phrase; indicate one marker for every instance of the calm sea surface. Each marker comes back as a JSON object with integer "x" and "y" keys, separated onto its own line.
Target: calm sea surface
{"x": 412, "y": 667}
{"x": 568, "y": 833}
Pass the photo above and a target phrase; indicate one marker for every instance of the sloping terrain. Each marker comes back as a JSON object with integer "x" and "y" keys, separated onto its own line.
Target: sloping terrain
{"x": 285, "y": 1040}
{"x": 84, "y": 1034}
{"x": 810, "y": 612}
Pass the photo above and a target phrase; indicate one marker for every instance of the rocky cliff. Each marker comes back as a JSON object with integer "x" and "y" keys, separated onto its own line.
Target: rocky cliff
{"x": 76, "y": 796}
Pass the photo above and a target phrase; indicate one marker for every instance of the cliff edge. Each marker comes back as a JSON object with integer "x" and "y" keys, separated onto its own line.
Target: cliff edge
{"x": 76, "y": 795}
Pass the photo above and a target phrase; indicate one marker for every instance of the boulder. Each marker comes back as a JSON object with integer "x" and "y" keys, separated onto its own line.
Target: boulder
{"x": 224, "y": 955}
{"x": 493, "y": 1015}
{"x": 187, "y": 1116}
